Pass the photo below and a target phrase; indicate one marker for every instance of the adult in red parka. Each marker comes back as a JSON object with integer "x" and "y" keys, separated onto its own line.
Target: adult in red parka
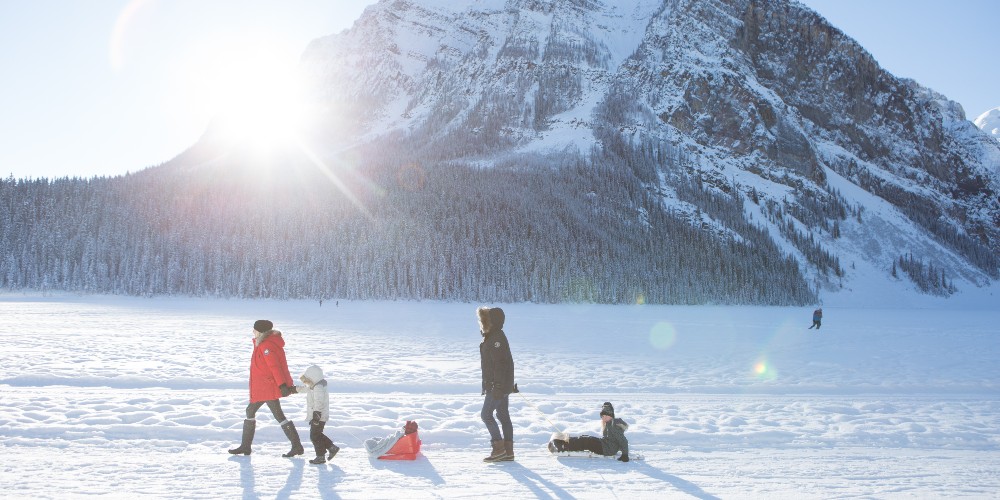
{"x": 269, "y": 380}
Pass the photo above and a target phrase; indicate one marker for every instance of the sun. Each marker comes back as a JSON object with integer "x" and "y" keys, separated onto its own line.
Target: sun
{"x": 251, "y": 95}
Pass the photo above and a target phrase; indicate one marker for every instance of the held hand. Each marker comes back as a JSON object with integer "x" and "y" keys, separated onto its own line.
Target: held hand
{"x": 285, "y": 390}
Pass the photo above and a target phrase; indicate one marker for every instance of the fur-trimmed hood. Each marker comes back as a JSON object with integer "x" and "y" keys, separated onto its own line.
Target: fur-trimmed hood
{"x": 621, "y": 424}
{"x": 262, "y": 336}
{"x": 312, "y": 376}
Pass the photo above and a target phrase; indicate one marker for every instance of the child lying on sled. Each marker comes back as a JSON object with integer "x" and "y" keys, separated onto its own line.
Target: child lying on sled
{"x": 612, "y": 441}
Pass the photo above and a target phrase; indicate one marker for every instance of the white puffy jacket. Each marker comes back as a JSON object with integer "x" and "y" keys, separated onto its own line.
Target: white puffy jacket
{"x": 317, "y": 395}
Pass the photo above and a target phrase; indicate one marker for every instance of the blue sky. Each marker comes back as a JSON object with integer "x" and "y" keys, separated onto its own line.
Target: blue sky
{"x": 104, "y": 87}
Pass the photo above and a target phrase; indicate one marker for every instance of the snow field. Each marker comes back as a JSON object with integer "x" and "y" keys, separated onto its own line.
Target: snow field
{"x": 143, "y": 397}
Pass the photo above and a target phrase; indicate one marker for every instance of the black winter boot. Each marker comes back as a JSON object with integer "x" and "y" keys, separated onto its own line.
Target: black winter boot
{"x": 293, "y": 436}
{"x": 249, "y": 427}
{"x": 320, "y": 459}
{"x": 332, "y": 450}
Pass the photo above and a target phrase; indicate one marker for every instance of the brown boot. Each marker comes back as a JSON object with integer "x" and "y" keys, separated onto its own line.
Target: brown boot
{"x": 498, "y": 451}
{"x": 508, "y": 448}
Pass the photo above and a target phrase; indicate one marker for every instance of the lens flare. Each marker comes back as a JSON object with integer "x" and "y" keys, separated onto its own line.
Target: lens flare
{"x": 662, "y": 336}
{"x": 411, "y": 177}
{"x": 764, "y": 370}
{"x": 125, "y": 20}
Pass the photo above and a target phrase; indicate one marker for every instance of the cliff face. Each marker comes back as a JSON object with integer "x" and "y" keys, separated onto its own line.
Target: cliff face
{"x": 761, "y": 94}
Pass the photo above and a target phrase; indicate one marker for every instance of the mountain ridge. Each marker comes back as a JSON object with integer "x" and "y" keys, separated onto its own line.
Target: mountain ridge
{"x": 821, "y": 101}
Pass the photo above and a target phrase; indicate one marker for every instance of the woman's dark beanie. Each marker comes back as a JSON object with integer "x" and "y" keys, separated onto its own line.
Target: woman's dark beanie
{"x": 263, "y": 325}
{"x": 608, "y": 410}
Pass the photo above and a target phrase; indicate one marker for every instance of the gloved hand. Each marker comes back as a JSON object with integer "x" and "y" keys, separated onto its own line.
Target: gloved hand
{"x": 285, "y": 390}
{"x": 316, "y": 418}
{"x": 623, "y": 458}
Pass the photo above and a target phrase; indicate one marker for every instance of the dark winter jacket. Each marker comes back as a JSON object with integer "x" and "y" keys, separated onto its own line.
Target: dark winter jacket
{"x": 817, "y": 314}
{"x": 614, "y": 439}
{"x": 268, "y": 368}
{"x": 497, "y": 364}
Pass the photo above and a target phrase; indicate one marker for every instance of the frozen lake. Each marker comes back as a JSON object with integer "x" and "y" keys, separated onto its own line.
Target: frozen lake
{"x": 143, "y": 396}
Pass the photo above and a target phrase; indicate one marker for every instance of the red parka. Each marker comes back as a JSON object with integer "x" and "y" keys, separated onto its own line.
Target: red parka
{"x": 268, "y": 368}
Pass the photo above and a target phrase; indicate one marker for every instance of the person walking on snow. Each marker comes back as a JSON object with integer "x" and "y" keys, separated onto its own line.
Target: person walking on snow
{"x": 269, "y": 381}
{"x": 498, "y": 382}
{"x": 612, "y": 441}
{"x": 318, "y": 409}
{"x": 817, "y": 318}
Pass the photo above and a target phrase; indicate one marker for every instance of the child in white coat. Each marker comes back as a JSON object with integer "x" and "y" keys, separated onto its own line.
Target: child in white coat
{"x": 318, "y": 411}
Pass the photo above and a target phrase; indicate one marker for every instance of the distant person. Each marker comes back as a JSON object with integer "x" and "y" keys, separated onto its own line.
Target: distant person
{"x": 817, "y": 318}
{"x": 269, "y": 381}
{"x": 611, "y": 442}
{"x": 318, "y": 411}
{"x": 498, "y": 382}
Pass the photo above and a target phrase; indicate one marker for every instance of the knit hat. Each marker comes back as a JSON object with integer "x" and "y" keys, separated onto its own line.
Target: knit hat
{"x": 608, "y": 410}
{"x": 263, "y": 325}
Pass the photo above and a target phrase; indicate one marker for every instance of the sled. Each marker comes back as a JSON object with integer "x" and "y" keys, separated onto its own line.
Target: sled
{"x": 632, "y": 457}
{"x": 405, "y": 449}
{"x": 586, "y": 454}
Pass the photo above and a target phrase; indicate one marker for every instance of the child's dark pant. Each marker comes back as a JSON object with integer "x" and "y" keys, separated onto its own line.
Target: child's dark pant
{"x": 319, "y": 440}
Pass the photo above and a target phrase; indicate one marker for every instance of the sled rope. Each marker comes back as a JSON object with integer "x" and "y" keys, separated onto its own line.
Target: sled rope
{"x": 353, "y": 436}
{"x": 544, "y": 416}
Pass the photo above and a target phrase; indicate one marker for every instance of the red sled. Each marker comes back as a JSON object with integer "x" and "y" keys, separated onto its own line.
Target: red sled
{"x": 405, "y": 449}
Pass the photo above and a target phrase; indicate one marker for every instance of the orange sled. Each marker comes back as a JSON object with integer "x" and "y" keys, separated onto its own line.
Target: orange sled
{"x": 405, "y": 449}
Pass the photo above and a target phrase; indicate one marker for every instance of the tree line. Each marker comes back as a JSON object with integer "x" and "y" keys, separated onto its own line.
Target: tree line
{"x": 535, "y": 228}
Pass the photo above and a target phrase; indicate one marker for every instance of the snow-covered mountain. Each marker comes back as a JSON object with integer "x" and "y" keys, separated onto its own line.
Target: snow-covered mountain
{"x": 669, "y": 151}
{"x": 989, "y": 122}
{"x": 765, "y": 99}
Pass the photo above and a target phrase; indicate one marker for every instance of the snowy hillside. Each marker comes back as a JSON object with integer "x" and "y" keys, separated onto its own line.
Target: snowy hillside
{"x": 766, "y": 100}
{"x": 107, "y": 396}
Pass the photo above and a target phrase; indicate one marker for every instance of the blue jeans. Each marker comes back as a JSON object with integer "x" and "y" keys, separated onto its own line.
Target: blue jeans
{"x": 498, "y": 405}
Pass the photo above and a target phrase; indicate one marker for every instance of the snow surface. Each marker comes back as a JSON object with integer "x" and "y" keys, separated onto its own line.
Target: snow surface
{"x": 118, "y": 396}
{"x": 989, "y": 122}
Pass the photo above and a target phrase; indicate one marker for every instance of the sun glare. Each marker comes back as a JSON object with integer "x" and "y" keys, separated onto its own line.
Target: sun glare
{"x": 251, "y": 96}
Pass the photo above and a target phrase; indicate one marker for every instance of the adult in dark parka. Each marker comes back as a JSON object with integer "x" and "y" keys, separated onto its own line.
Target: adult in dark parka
{"x": 498, "y": 383}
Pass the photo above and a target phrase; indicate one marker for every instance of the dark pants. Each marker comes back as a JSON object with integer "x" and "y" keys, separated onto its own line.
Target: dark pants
{"x": 584, "y": 443}
{"x": 274, "y": 405}
{"x": 815, "y": 323}
{"x": 320, "y": 442}
{"x": 498, "y": 405}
